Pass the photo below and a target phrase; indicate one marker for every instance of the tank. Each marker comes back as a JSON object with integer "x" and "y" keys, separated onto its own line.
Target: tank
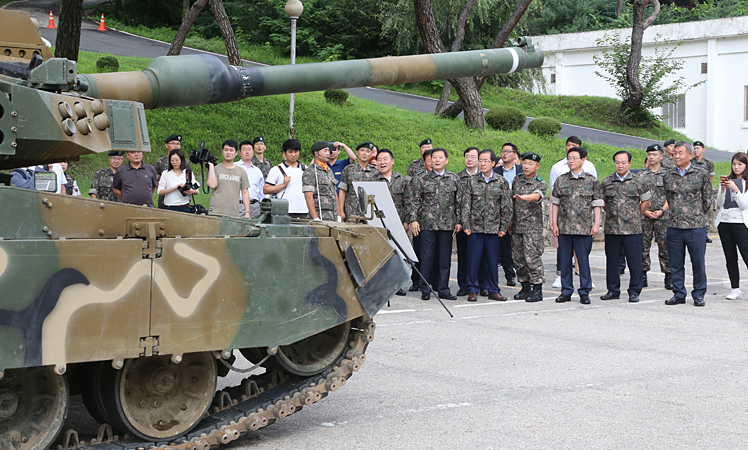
{"x": 138, "y": 310}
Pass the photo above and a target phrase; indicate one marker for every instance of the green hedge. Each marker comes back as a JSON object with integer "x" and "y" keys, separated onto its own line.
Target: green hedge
{"x": 506, "y": 118}
{"x": 107, "y": 64}
{"x": 336, "y": 96}
{"x": 544, "y": 126}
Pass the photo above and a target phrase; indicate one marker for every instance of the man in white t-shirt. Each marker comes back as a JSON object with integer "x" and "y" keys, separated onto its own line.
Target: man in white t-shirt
{"x": 256, "y": 179}
{"x": 557, "y": 170}
{"x": 284, "y": 180}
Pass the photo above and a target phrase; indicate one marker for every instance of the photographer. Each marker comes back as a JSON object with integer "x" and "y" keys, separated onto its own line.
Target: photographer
{"x": 172, "y": 185}
{"x": 228, "y": 181}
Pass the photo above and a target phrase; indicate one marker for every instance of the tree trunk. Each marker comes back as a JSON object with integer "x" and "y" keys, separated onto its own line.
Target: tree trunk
{"x": 457, "y": 107}
{"x": 232, "y": 49}
{"x": 69, "y": 29}
{"x": 619, "y": 11}
{"x": 184, "y": 29}
{"x": 443, "y": 102}
{"x": 456, "y": 44}
{"x": 634, "y": 100}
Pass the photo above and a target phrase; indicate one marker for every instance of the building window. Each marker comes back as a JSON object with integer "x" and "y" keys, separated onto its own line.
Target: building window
{"x": 675, "y": 113}
{"x": 703, "y": 67}
{"x": 553, "y": 78}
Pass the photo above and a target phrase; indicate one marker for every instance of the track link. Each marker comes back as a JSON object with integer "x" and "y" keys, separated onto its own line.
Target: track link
{"x": 259, "y": 401}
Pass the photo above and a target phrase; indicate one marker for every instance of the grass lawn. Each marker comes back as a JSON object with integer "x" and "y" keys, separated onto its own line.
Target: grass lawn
{"x": 359, "y": 120}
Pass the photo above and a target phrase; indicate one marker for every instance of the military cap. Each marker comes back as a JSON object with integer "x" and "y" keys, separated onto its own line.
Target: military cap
{"x": 116, "y": 153}
{"x": 319, "y": 145}
{"x": 532, "y": 156}
{"x": 699, "y": 143}
{"x": 669, "y": 142}
{"x": 258, "y": 139}
{"x": 367, "y": 144}
{"x": 426, "y": 141}
{"x": 654, "y": 148}
{"x": 173, "y": 137}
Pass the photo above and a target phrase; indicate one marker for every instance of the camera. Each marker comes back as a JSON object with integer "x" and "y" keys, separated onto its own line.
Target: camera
{"x": 187, "y": 187}
{"x": 202, "y": 155}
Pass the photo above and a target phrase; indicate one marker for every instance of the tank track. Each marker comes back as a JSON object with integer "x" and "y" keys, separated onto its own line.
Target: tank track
{"x": 257, "y": 402}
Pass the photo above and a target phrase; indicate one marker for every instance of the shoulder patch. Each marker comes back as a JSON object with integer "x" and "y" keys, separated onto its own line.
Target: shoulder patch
{"x": 539, "y": 179}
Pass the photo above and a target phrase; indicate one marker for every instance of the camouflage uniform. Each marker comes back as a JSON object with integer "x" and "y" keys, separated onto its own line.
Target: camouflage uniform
{"x": 667, "y": 162}
{"x": 398, "y": 186}
{"x": 527, "y": 230}
{"x": 656, "y": 228}
{"x": 416, "y": 167}
{"x": 435, "y": 206}
{"x": 322, "y": 183}
{"x": 353, "y": 172}
{"x": 264, "y": 166}
{"x": 623, "y": 230}
{"x": 705, "y": 165}
{"x": 462, "y": 239}
{"x": 161, "y": 166}
{"x": 689, "y": 198}
{"x": 577, "y": 199}
{"x": 101, "y": 185}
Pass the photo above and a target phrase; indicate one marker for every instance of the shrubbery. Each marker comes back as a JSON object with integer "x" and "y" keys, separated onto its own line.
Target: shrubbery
{"x": 506, "y": 118}
{"x": 107, "y": 64}
{"x": 336, "y": 96}
{"x": 544, "y": 126}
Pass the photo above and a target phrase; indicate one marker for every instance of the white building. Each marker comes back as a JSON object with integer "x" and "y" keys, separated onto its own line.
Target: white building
{"x": 714, "y": 51}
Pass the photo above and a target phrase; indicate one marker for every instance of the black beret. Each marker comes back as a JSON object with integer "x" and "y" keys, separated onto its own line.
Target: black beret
{"x": 426, "y": 141}
{"x": 116, "y": 153}
{"x": 669, "y": 142}
{"x": 319, "y": 145}
{"x": 532, "y": 156}
{"x": 258, "y": 139}
{"x": 367, "y": 144}
{"x": 699, "y": 143}
{"x": 173, "y": 137}
{"x": 654, "y": 148}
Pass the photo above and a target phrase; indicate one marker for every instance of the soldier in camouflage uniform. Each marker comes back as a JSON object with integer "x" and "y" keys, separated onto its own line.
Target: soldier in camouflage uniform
{"x": 689, "y": 196}
{"x": 470, "y": 170}
{"x": 702, "y": 163}
{"x": 162, "y": 164}
{"x": 435, "y": 214}
{"x": 654, "y": 220}
{"x": 416, "y": 166}
{"x": 575, "y": 218}
{"x": 259, "y": 160}
{"x": 486, "y": 214}
{"x": 426, "y": 162}
{"x": 667, "y": 160}
{"x": 626, "y": 199}
{"x": 101, "y": 183}
{"x": 358, "y": 171}
{"x": 318, "y": 185}
{"x": 528, "y": 189}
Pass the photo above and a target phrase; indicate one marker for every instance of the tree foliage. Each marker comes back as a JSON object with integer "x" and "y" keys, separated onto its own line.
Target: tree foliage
{"x": 657, "y": 74}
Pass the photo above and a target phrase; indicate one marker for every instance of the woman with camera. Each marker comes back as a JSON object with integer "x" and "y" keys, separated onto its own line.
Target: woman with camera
{"x": 732, "y": 219}
{"x": 174, "y": 184}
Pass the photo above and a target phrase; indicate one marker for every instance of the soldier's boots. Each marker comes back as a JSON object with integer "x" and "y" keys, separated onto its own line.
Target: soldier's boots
{"x": 524, "y": 292}
{"x": 645, "y": 283}
{"x": 536, "y": 295}
{"x": 668, "y": 282}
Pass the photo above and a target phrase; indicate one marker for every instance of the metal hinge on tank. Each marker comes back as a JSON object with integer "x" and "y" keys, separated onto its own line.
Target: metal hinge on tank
{"x": 151, "y": 231}
{"x": 149, "y": 346}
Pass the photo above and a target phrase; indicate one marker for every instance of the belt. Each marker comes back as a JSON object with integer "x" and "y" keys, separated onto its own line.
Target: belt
{"x": 251, "y": 202}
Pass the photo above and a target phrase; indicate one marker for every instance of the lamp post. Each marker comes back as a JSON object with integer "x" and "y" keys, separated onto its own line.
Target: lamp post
{"x": 294, "y": 8}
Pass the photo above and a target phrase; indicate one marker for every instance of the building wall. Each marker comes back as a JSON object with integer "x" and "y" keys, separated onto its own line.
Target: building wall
{"x": 715, "y": 110}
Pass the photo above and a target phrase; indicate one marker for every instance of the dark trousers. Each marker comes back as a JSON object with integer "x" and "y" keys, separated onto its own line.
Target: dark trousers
{"x": 678, "y": 241}
{"x": 734, "y": 237}
{"x": 436, "y": 259}
{"x": 462, "y": 259}
{"x": 617, "y": 245}
{"x": 417, "y": 249}
{"x": 181, "y": 208}
{"x": 568, "y": 244}
{"x": 505, "y": 256}
{"x": 622, "y": 259}
{"x": 483, "y": 258}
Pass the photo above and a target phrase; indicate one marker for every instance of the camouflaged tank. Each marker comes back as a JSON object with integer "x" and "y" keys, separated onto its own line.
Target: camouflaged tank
{"x": 139, "y": 310}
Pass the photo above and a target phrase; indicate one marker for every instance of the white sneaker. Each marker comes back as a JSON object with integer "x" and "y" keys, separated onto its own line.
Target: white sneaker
{"x": 557, "y": 283}
{"x": 734, "y": 295}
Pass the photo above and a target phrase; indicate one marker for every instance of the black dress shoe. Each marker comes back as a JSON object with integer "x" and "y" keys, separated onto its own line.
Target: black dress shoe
{"x": 510, "y": 282}
{"x": 414, "y": 288}
{"x": 698, "y": 302}
{"x": 473, "y": 297}
{"x": 634, "y": 298}
{"x": 425, "y": 296}
{"x": 400, "y": 292}
{"x": 708, "y": 241}
{"x": 447, "y": 297}
{"x": 584, "y": 299}
{"x": 563, "y": 298}
{"x": 675, "y": 301}
{"x": 668, "y": 282}
{"x": 484, "y": 292}
{"x": 463, "y": 292}
{"x": 610, "y": 296}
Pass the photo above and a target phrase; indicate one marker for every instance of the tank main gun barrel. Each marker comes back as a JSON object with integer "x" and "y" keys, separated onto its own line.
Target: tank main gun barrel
{"x": 172, "y": 81}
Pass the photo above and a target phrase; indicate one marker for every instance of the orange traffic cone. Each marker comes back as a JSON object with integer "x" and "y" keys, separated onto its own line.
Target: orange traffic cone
{"x": 101, "y": 24}
{"x": 51, "y": 21}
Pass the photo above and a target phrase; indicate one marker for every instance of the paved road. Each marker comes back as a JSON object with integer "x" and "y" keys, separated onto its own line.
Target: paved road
{"x": 125, "y": 44}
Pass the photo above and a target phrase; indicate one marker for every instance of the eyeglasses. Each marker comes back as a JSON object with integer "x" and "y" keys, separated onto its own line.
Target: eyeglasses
{"x": 507, "y": 151}
{"x": 573, "y": 159}
{"x": 470, "y": 158}
{"x": 485, "y": 161}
